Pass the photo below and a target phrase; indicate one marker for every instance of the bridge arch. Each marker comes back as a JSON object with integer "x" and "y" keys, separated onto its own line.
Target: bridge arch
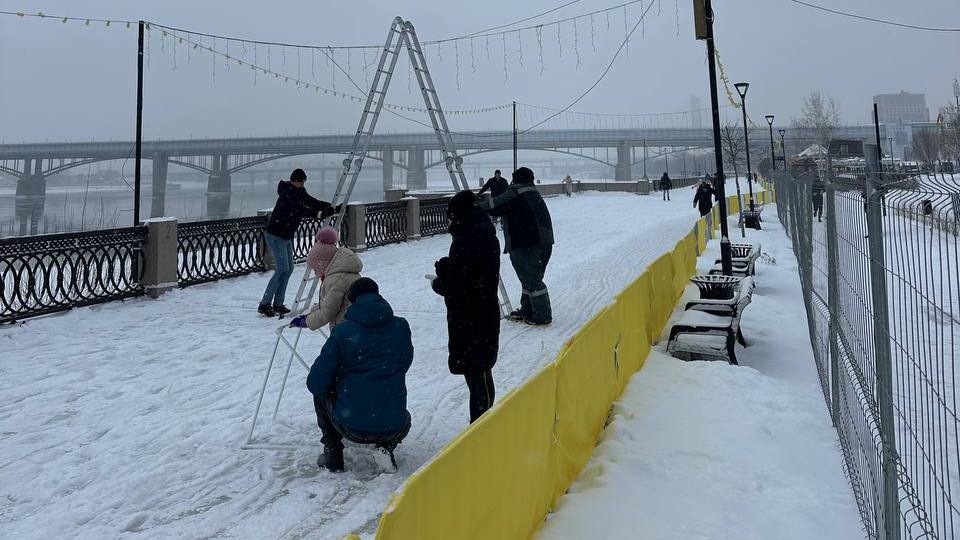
{"x": 554, "y": 150}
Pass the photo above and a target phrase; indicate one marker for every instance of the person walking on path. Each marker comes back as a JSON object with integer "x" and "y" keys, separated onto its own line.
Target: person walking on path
{"x": 703, "y": 200}
{"x": 358, "y": 381}
{"x": 496, "y": 185}
{"x": 568, "y": 185}
{"x": 528, "y": 238}
{"x": 338, "y": 269}
{"x": 468, "y": 280}
{"x": 293, "y": 204}
{"x": 665, "y": 186}
{"x": 818, "y": 203}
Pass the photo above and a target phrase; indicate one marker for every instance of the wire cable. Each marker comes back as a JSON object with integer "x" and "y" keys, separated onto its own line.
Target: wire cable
{"x": 602, "y": 75}
{"x": 538, "y": 15}
{"x": 872, "y": 19}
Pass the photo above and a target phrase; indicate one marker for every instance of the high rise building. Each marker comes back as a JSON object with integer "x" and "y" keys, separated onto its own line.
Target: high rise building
{"x": 696, "y": 114}
{"x": 898, "y": 111}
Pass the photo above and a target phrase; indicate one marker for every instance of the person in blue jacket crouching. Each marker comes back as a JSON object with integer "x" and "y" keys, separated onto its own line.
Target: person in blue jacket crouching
{"x": 358, "y": 381}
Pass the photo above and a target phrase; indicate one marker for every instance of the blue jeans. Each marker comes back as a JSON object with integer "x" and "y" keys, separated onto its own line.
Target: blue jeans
{"x": 282, "y": 250}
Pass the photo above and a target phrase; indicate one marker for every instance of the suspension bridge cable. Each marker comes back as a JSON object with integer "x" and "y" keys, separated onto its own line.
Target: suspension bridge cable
{"x": 872, "y": 19}
{"x": 602, "y": 75}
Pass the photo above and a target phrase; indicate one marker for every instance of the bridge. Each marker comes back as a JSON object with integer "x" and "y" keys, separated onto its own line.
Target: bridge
{"x": 32, "y": 163}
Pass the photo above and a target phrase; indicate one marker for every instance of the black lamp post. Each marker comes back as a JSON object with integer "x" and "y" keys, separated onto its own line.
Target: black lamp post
{"x": 783, "y": 148}
{"x": 773, "y": 156}
{"x": 742, "y": 90}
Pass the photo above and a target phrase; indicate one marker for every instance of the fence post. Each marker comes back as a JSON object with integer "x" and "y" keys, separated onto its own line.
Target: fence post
{"x": 265, "y": 254}
{"x": 881, "y": 343}
{"x": 160, "y": 256}
{"x": 833, "y": 289}
{"x": 356, "y": 226}
{"x": 413, "y": 218}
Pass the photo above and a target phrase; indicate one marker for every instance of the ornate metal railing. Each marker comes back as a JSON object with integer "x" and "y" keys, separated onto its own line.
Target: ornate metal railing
{"x": 212, "y": 250}
{"x": 386, "y": 223}
{"x": 304, "y": 238}
{"x": 56, "y": 272}
{"x": 433, "y": 216}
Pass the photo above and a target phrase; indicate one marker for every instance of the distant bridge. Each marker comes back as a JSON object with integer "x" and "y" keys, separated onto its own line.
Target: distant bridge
{"x": 31, "y": 163}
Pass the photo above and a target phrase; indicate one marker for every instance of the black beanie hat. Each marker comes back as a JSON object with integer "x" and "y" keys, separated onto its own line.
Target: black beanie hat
{"x": 461, "y": 205}
{"x": 298, "y": 176}
{"x": 524, "y": 175}
{"x": 361, "y": 287}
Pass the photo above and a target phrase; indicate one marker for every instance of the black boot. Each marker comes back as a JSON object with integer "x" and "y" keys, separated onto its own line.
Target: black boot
{"x": 280, "y": 309}
{"x": 331, "y": 458}
{"x": 517, "y": 315}
{"x": 266, "y": 309}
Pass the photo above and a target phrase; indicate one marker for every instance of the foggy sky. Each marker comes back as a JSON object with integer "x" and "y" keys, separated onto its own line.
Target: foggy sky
{"x": 76, "y": 82}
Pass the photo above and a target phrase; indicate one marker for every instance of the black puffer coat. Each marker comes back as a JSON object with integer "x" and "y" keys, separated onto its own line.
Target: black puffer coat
{"x": 293, "y": 204}
{"x": 703, "y": 199}
{"x": 468, "y": 279}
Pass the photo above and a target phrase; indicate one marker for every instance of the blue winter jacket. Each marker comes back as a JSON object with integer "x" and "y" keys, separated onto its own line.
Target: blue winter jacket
{"x": 366, "y": 360}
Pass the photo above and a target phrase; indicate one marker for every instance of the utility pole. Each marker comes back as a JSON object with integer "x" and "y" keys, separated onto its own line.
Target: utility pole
{"x": 139, "y": 143}
{"x": 514, "y": 135}
{"x": 644, "y": 158}
{"x": 703, "y": 18}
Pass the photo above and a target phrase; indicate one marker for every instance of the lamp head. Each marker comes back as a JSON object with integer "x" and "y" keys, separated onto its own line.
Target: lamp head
{"x": 769, "y": 118}
{"x": 742, "y": 89}
{"x": 781, "y": 132}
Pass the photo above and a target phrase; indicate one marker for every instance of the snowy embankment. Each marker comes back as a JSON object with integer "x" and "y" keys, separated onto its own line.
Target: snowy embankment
{"x": 126, "y": 419}
{"x": 707, "y": 450}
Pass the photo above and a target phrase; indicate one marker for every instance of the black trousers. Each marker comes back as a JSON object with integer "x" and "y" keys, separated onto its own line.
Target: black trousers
{"x": 481, "y": 392}
{"x": 332, "y": 432}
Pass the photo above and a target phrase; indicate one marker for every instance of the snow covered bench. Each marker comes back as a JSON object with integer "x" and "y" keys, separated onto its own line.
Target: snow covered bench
{"x": 751, "y": 218}
{"x": 744, "y": 260}
{"x": 711, "y": 327}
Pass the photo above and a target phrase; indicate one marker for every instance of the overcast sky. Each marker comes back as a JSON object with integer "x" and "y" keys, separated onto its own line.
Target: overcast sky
{"x": 77, "y": 82}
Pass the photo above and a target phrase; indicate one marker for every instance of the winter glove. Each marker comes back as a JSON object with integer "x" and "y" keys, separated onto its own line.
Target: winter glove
{"x": 300, "y": 321}
{"x": 326, "y": 212}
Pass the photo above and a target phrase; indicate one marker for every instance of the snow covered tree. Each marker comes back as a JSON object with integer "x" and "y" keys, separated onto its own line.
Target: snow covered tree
{"x": 819, "y": 117}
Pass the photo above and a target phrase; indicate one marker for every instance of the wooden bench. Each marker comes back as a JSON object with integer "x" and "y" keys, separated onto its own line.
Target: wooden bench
{"x": 711, "y": 328}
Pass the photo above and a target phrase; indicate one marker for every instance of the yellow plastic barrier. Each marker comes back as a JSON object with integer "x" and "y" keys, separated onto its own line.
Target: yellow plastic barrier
{"x": 495, "y": 480}
{"x": 499, "y": 478}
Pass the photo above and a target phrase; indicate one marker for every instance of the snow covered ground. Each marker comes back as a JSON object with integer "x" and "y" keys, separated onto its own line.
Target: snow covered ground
{"x": 126, "y": 419}
{"x": 706, "y": 450}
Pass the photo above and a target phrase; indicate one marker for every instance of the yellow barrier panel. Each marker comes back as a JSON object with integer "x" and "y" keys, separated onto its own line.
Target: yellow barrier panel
{"x": 733, "y": 205}
{"x": 499, "y": 477}
{"x": 495, "y": 480}
{"x": 587, "y": 383}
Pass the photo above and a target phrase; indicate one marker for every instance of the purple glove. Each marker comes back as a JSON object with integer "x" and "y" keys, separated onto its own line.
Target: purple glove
{"x": 300, "y": 321}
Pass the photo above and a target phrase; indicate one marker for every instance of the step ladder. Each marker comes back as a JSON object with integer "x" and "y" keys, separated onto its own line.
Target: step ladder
{"x": 401, "y": 34}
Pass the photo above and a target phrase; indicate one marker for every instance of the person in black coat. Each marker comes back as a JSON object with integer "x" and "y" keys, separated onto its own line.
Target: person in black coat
{"x": 496, "y": 185}
{"x": 468, "y": 279}
{"x": 703, "y": 200}
{"x": 293, "y": 204}
{"x": 665, "y": 186}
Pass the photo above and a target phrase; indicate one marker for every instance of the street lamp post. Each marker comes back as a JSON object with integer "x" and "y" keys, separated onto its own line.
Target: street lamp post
{"x": 773, "y": 155}
{"x": 704, "y": 22}
{"x": 890, "y": 140}
{"x": 742, "y": 90}
{"x": 783, "y": 148}
{"x": 645, "y": 159}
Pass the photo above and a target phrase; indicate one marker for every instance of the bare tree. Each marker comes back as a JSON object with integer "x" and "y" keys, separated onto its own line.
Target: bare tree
{"x": 951, "y": 136}
{"x": 818, "y": 119}
{"x": 731, "y": 140}
{"x": 926, "y": 146}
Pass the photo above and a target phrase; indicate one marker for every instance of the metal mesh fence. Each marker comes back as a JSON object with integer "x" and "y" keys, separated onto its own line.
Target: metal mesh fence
{"x": 879, "y": 266}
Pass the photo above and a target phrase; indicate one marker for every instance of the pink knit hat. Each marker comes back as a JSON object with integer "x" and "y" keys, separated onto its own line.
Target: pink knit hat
{"x": 323, "y": 250}
{"x": 327, "y": 235}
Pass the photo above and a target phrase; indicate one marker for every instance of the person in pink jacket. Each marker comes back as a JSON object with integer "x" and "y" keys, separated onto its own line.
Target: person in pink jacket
{"x": 338, "y": 268}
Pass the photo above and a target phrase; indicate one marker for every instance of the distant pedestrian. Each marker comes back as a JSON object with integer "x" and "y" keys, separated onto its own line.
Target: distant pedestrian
{"x": 358, "y": 381}
{"x": 468, "y": 280}
{"x": 818, "y": 203}
{"x": 480, "y": 183}
{"x": 495, "y": 185}
{"x": 703, "y": 200}
{"x": 528, "y": 238}
{"x": 665, "y": 186}
{"x": 568, "y": 185}
{"x": 293, "y": 204}
{"x": 338, "y": 268}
